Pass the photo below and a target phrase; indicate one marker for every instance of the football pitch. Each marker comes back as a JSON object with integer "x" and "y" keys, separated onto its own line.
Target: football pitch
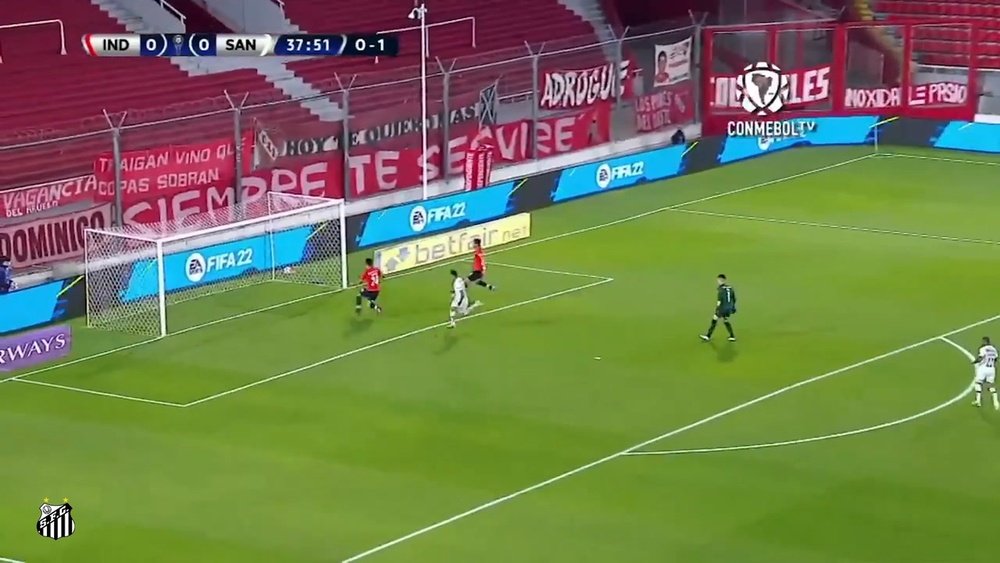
{"x": 576, "y": 416}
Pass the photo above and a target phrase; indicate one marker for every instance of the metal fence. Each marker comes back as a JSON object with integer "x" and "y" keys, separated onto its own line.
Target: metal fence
{"x": 354, "y": 118}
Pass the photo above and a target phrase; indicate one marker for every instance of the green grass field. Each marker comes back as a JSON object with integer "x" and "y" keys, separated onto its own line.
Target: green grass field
{"x": 838, "y": 429}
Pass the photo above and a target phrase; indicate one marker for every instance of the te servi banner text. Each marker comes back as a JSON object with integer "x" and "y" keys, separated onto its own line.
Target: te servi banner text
{"x": 568, "y": 89}
{"x": 378, "y": 171}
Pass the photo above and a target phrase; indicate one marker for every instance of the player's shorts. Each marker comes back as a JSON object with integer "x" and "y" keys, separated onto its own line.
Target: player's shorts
{"x": 476, "y": 275}
{"x": 460, "y": 302}
{"x": 986, "y": 375}
{"x": 725, "y": 312}
{"x": 369, "y": 295}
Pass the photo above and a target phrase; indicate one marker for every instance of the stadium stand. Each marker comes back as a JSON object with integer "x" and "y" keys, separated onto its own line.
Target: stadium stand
{"x": 480, "y": 33}
{"x": 66, "y": 95}
{"x": 68, "y": 98}
{"x": 949, "y": 46}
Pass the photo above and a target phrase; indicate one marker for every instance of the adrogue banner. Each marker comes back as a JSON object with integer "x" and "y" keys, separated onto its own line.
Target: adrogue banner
{"x": 32, "y": 348}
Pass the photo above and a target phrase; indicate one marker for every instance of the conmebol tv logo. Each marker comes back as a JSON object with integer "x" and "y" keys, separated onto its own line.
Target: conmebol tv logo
{"x": 762, "y": 89}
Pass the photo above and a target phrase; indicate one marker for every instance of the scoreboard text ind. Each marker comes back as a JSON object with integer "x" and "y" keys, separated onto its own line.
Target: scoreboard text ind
{"x": 238, "y": 45}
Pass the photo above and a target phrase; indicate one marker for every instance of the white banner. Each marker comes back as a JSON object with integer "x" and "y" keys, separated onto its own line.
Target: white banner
{"x": 673, "y": 63}
{"x": 566, "y": 89}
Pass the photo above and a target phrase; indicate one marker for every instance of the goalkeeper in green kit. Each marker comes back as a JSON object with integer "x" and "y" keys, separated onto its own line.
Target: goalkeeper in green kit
{"x": 725, "y": 307}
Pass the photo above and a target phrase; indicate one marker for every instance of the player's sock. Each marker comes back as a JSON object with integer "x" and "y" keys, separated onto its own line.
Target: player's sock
{"x": 729, "y": 329}
{"x": 996, "y": 399}
{"x": 357, "y": 303}
{"x": 979, "y": 394}
{"x": 711, "y": 328}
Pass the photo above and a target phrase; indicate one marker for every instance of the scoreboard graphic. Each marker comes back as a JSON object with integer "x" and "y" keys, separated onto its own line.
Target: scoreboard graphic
{"x": 239, "y": 45}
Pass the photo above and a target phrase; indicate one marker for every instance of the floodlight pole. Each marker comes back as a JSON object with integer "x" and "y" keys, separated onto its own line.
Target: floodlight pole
{"x": 420, "y": 12}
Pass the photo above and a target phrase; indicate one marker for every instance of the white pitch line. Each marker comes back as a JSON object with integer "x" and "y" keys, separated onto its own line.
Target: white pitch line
{"x": 640, "y": 445}
{"x": 547, "y": 271}
{"x": 5, "y": 560}
{"x": 495, "y": 251}
{"x": 391, "y": 340}
{"x": 100, "y": 393}
{"x": 845, "y": 434}
{"x": 851, "y": 228}
{"x": 941, "y": 159}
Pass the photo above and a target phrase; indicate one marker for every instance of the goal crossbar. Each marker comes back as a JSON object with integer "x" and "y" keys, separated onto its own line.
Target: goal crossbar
{"x": 128, "y": 276}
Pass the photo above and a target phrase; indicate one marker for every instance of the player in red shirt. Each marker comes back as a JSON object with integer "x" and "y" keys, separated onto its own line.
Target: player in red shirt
{"x": 479, "y": 266}
{"x": 371, "y": 284}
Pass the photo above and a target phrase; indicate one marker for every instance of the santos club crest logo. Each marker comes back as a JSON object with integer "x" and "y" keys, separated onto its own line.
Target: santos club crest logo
{"x": 56, "y": 521}
{"x": 762, "y": 88}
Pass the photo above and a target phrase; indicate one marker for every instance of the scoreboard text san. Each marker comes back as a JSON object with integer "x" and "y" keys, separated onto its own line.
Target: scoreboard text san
{"x": 233, "y": 45}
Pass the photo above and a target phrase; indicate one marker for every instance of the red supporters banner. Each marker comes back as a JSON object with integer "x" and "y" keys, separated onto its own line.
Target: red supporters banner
{"x": 176, "y": 167}
{"x": 670, "y": 106}
{"x": 51, "y": 239}
{"x": 567, "y": 89}
{"x": 172, "y": 183}
{"x": 21, "y": 202}
{"x": 368, "y": 128}
{"x": 319, "y": 179}
{"x": 378, "y": 171}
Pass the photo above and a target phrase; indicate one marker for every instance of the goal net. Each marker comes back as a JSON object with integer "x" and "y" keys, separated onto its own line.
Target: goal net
{"x": 139, "y": 277}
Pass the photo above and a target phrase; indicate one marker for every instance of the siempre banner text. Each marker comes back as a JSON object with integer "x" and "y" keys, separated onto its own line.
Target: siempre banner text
{"x": 430, "y": 250}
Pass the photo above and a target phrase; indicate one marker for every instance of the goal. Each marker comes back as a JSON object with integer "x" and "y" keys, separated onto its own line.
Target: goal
{"x": 140, "y": 279}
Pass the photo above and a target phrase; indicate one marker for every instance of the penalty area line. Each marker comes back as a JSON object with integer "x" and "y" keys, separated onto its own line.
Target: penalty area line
{"x": 6, "y": 560}
{"x": 555, "y": 272}
{"x": 559, "y": 236}
{"x": 598, "y": 462}
{"x": 98, "y": 393}
{"x": 834, "y": 436}
{"x": 396, "y": 338}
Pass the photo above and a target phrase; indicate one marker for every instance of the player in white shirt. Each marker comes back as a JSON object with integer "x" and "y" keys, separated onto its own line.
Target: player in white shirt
{"x": 986, "y": 372}
{"x": 459, "y": 299}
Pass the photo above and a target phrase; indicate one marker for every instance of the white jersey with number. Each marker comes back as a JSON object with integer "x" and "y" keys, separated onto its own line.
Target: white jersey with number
{"x": 460, "y": 299}
{"x": 986, "y": 366}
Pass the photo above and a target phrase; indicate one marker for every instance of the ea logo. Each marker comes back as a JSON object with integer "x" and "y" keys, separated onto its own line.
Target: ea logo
{"x": 195, "y": 268}
{"x": 762, "y": 88}
{"x": 603, "y": 176}
{"x": 418, "y": 218}
{"x": 764, "y": 143}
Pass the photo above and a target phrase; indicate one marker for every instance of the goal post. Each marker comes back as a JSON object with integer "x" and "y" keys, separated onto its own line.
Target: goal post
{"x": 138, "y": 278}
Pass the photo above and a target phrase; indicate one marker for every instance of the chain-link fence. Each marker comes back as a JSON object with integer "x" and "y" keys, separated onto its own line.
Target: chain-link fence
{"x": 352, "y": 135}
